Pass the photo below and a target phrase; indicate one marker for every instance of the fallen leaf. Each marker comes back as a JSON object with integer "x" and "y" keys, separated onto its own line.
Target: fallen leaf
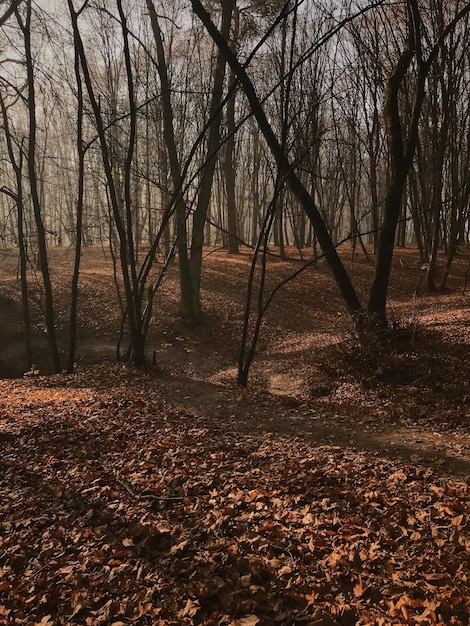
{"x": 190, "y": 609}
{"x": 46, "y": 621}
{"x": 127, "y": 543}
{"x": 248, "y": 620}
{"x": 359, "y": 588}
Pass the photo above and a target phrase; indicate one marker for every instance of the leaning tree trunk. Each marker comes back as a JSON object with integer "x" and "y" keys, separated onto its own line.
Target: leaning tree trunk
{"x": 286, "y": 169}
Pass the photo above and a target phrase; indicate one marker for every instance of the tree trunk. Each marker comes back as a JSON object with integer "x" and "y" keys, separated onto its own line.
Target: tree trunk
{"x": 193, "y": 313}
{"x": 401, "y": 158}
{"x": 18, "y": 197}
{"x": 286, "y": 169}
{"x": 229, "y": 171}
{"x": 79, "y": 218}
{"x": 133, "y": 289}
{"x": 186, "y": 288}
{"x": 41, "y": 233}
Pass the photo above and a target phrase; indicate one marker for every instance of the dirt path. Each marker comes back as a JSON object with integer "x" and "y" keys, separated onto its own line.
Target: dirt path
{"x": 429, "y": 442}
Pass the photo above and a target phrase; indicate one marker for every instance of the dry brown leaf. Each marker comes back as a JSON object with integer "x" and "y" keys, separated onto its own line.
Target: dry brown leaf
{"x": 360, "y": 588}
{"x": 190, "y": 609}
{"x": 248, "y": 620}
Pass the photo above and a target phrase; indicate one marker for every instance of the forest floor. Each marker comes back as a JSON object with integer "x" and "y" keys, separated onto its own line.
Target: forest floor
{"x": 334, "y": 489}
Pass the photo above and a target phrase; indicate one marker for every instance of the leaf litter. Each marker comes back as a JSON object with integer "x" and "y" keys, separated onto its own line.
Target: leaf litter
{"x": 334, "y": 491}
{"x": 121, "y": 507}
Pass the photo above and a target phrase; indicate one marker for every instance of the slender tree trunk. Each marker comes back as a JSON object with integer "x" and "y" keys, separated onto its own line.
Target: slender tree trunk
{"x": 417, "y": 222}
{"x": 205, "y": 188}
{"x": 229, "y": 171}
{"x": 18, "y": 197}
{"x": 137, "y": 291}
{"x": 457, "y": 225}
{"x": 42, "y": 245}
{"x": 186, "y": 288}
{"x": 401, "y": 158}
{"x": 165, "y": 197}
{"x": 440, "y": 139}
{"x": 254, "y": 184}
{"x": 373, "y": 180}
{"x": 79, "y": 219}
{"x": 431, "y": 269}
{"x": 134, "y": 292}
{"x": 278, "y": 225}
{"x": 23, "y": 273}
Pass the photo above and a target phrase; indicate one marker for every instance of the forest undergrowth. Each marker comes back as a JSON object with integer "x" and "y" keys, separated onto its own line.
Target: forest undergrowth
{"x": 333, "y": 490}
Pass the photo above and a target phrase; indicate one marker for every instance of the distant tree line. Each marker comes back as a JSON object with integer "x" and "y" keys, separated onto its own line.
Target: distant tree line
{"x": 157, "y": 128}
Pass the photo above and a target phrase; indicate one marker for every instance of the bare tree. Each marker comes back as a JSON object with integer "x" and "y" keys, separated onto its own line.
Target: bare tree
{"x": 25, "y": 26}
{"x": 402, "y": 148}
{"x": 8, "y": 7}
{"x": 286, "y": 168}
{"x": 16, "y": 161}
{"x": 134, "y": 289}
{"x": 79, "y": 214}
